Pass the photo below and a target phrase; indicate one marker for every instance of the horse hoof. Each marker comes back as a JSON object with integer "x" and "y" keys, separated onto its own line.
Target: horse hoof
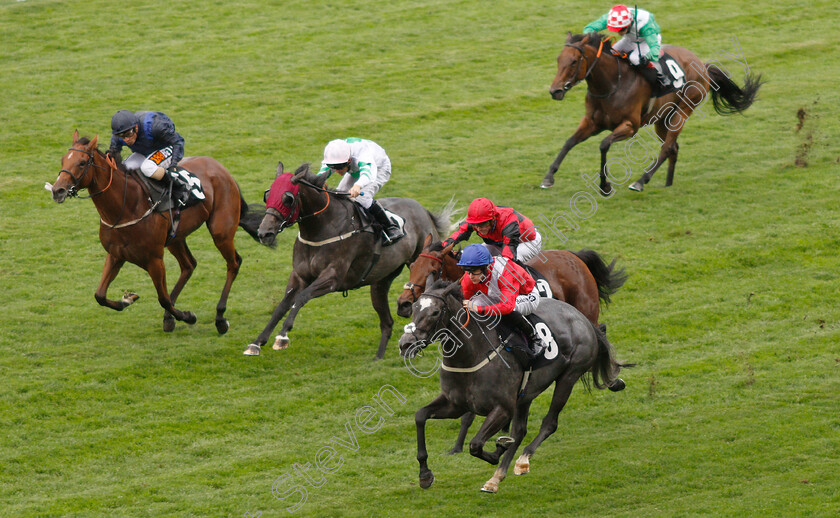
{"x": 637, "y": 186}
{"x": 222, "y": 326}
{"x": 547, "y": 183}
{"x": 504, "y": 442}
{"x": 427, "y": 481}
{"x": 617, "y": 385}
{"x": 280, "y": 342}
{"x": 607, "y": 189}
{"x": 252, "y": 350}
{"x": 189, "y": 318}
{"x": 168, "y": 324}
{"x": 490, "y": 487}
{"x": 522, "y": 466}
{"x": 129, "y": 298}
{"x": 454, "y": 451}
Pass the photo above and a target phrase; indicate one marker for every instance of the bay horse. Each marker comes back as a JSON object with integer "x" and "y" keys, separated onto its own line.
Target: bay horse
{"x": 577, "y": 278}
{"x": 130, "y": 230}
{"x": 478, "y": 375}
{"x": 334, "y": 251}
{"x": 618, "y": 98}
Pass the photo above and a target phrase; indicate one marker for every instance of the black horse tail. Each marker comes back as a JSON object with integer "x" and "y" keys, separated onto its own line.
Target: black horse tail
{"x": 728, "y": 97}
{"x": 606, "y": 368}
{"x": 608, "y": 279}
{"x": 250, "y": 216}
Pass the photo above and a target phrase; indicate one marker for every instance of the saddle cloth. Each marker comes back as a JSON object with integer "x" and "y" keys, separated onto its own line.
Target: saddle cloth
{"x": 548, "y": 350}
{"x": 159, "y": 189}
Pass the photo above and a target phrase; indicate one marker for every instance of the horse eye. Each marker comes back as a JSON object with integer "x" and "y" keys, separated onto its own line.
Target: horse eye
{"x": 265, "y": 196}
{"x": 288, "y": 199}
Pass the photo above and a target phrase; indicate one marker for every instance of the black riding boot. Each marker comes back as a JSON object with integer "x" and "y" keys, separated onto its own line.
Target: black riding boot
{"x": 391, "y": 231}
{"x": 180, "y": 190}
{"x": 664, "y": 82}
{"x": 518, "y": 321}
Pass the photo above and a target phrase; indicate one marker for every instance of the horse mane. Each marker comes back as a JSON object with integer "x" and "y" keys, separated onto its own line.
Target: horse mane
{"x": 85, "y": 141}
{"x": 595, "y": 39}
{"x": 436, "y": 246}
{"x": 305, "y": 173}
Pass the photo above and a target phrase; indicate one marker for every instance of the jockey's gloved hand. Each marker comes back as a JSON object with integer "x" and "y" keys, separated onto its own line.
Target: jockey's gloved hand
{"x": 643, "y": 61}
{"x": 634, "y": 59}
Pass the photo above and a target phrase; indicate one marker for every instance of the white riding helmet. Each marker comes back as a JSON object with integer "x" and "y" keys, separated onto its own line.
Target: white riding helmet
{"x": 337, "y": 152}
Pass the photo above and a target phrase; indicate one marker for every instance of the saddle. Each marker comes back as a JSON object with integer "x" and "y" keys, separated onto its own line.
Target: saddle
{"x": 160, "y": 191}
{"x": 530, "y": 356}
{"x": 542, "y": 283}
{"x": 369, "y": 223}
{"x": 670, "y": 68}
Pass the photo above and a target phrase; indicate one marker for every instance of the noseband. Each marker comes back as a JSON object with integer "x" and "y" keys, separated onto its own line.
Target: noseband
{"x": 73, "y": 191}
{"x": 569, "y": 85}
{"x": 411, "y": 285}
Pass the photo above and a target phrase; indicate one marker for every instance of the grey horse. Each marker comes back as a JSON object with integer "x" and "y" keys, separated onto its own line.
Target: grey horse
{"x": 335, "y": 250}
{"x": 478, "y": 375}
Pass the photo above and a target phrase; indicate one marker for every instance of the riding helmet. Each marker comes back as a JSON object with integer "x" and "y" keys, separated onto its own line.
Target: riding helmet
{"x": 122, "y": 121}
{"x": 481, "y": 210}
{"x": 475, "y": 255}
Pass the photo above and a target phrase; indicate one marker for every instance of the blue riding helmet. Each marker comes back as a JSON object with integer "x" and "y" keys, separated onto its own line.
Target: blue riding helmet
{"x": 475, "y": 255}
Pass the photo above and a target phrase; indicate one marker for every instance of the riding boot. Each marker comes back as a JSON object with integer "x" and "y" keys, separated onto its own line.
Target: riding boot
{"x": 390, "y": 230}
{"x": 180, "y": 190}
{"x": 518, "y": 321}
{"x": 663, "y": 79}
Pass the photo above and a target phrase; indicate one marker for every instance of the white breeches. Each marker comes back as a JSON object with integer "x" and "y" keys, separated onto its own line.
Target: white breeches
{"x": 149, "y": 164}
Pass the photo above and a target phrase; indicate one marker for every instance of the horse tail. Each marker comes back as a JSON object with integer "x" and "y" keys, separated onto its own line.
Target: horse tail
{"x": 606, "y": 368}
{"x": 442, "y": 221}
{"x": 728, "y": 97}
{"x": 250, "y": 216}
{"x": 608, "y": 279}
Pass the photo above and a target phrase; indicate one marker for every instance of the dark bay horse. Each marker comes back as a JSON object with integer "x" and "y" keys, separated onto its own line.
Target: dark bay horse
{"x": 130, "y": 230}
{"x": 333, "y": 252}
{"x": 618, "y": 98}
{"x": 479, "y": 376}
{"x": 577, "y": 278}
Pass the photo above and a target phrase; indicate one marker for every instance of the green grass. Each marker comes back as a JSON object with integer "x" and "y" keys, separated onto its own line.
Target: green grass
{"x": 730, "y": 312}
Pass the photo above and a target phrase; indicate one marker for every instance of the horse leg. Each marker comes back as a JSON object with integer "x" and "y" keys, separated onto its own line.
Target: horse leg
{"x": 668, "y": 149}
{"x": 294, "y": 285}
{"x": 585, "y": 129}
{"x": 325, "y": 283}
{"x": 439, "y": 408}
{"x": 466, "y": 421}
{"x": 562, "y": 391}
{"x": 518, "y": 431}
{"x": 224, "y": 243}
{"x": 157, "y": 271}
{"x": 109, "y": 273}
{"x": 187, "y": 263}
{"x": 379, "y": 298}
{"x": 624, "y": 130}
{"x": 492, "y": 424}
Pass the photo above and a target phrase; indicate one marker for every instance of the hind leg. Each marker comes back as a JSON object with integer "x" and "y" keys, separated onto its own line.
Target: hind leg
{"x": 492, "y": 424}
{"x": 668, "y": 150}
{"x": 223, "y": 239}
{"x": 562, "y": 391}
{"x": 466, "y": 421}
{"x": 624, "y": 131}
{"x": 187, "y": 263}
{"x": 519, "y": 427}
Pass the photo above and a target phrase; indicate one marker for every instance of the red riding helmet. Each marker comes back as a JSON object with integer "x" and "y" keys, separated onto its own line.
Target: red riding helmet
{"x": 481, "y": 210}
{"x": 619, "y": 18}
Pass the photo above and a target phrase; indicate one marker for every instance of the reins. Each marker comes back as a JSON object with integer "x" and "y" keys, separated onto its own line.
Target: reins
{"x": 589, "y": 70}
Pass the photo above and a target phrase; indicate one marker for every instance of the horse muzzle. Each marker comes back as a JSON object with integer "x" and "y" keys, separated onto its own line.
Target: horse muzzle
{"x": 403, "y": 307}
{"x": 557, "y": 94}
{"x": 267, "y": 238}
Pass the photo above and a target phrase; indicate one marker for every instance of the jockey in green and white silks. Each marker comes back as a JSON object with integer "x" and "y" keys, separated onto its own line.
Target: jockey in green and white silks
{"x": 366, "y": 168}
{"x": 641, "y": 36}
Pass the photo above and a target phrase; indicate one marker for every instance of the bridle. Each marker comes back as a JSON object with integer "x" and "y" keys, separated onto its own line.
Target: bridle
{"x": 411, "y": 285}
{"x": 73, "y": 191}
{"x": 288, "y": 222}
{"x": 569, "y": 85}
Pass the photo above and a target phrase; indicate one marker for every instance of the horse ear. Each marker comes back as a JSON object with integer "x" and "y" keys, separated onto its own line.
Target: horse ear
{"x": 76, "y": 136}
{"x": 279, "y": 168}
{"x": 569, "y": 37}
{"x": 447, "y": 249}
{"x": 428, "y": 241}
{"x": 300, "y": 172}
{"x": 451, "y": 289}
{"x": 93, "y": 142}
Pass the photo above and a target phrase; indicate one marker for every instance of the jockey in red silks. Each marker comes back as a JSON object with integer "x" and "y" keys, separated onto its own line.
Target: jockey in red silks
{"x": 498, "y": 286}
{"x": 502, "y": 227}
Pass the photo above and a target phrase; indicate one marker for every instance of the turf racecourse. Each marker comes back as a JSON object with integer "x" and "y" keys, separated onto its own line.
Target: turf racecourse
{"x": 730, "y": 312}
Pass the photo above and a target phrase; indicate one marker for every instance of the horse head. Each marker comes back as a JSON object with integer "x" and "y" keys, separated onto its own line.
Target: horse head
{"x": 431, "y": 313}
{"x": 76, "y": 167}
{"x": 282, "y": 201}
{"x": 427, "y": 268}
{"x": 574, "y": 64}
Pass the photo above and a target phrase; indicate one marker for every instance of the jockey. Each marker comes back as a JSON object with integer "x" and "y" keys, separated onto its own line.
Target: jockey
{"x": 502, "y": 227}
{"x": 641, "y": 36}
{"x": 366, "y": 168}
{"x": 157, "y": 147}
{"x": 496, "y": 285}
